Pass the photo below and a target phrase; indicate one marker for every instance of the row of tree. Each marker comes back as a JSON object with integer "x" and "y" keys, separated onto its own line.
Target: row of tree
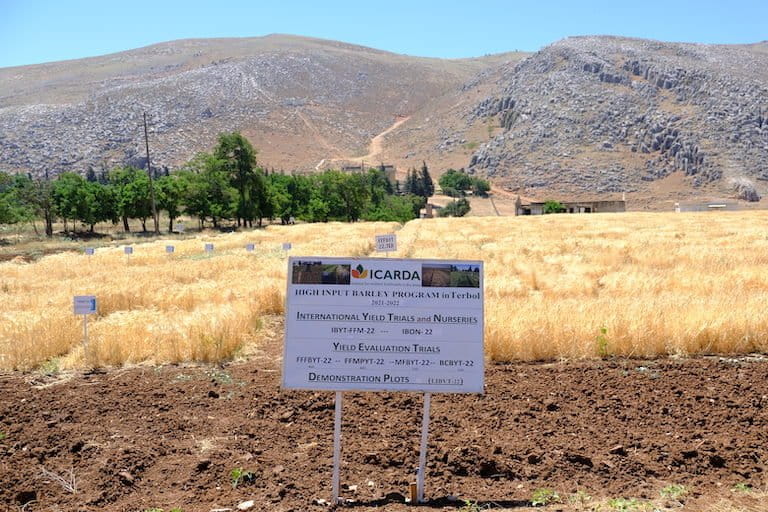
{"x": 223, "y": 185}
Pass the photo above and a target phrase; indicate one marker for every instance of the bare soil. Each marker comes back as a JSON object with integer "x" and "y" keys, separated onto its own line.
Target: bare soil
{"x": 144, "y": 437}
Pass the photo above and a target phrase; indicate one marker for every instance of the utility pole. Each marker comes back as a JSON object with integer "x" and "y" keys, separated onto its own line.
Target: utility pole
{"x": 151, "y": 181}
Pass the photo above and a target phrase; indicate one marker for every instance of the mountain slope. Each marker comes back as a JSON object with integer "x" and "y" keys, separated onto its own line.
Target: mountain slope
{"x": 593, "y": 115}
{"x": 299, "y": 100}
{"x": 585, "y": 116}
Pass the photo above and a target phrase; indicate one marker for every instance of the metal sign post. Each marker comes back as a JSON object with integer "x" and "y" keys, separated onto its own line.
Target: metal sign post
{"x": 209, "y": 248}
{"x": 128, "y": 250}
{"x": 423, "y": 449}
{"x": 374, "y": 324}
{"x": 336, "y": 449}
{"x": 169, "y": 250}
{"x": 84, "y": 305}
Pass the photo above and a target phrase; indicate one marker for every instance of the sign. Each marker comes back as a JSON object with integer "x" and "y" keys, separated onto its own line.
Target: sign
{"x": 169, "y": 249}
{"x": 208, "y": 247}
{"x": 89, "y": 251}
{"x": 386, "y": 243}
{"x": 180, "y": 227}
{"x": 384, "y": 325}
{"x": 128, "y": 250}
{"x": 84, "y": 304}
{"x": 286, "y": 246}
{"x": 250, "y": 247}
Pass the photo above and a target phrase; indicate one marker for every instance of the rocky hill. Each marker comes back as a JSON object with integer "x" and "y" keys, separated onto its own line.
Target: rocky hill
{"x": 299, "y": 100}
{"x": 597, "y": 115}
{"x": 586, "y": 116}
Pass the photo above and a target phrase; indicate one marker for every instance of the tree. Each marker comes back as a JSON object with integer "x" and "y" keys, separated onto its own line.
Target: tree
{"x": 480, "y": 187}
{"x": 239, "y": 158}
{"x": 207, "y": 189}
{"x": 553, "y": 207}
{"x": 120, "y": 179}
{"x": 455, "y": 209}
{"x": 453, "y": 180}
{"x": 170, "y": 190}
{"x": 84, "y": 201}
{"x": 426, "y": 183}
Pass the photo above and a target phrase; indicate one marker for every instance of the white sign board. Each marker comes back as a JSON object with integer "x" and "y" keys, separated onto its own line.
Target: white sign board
{"x": 286, "y": 246}
{"x": 180, "y": 227}
{"x": 384, "y": 325}
{"x": 89, "y": 251}
{"x": 169, "y": 249}
{"x": 250, "y": 247}
{"x": 208, "y": 247}
{"x": 386, "y": 243}
{"x": 84, "y": 304}
{"x": 128, "y": 250}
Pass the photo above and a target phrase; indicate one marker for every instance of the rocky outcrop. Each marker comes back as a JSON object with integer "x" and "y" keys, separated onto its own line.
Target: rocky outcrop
{"x": 640, "y": 110}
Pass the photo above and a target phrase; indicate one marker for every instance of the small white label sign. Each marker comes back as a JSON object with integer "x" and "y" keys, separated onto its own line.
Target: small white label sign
{"x": 89, "y": 251}
{"x": 375, "y": 324}
{"x": 250, "y": 247}
{"x": 286, "y": 246}
{"x": 84, "y": 304}
{"x": 169, "y": 249}
{"x": 208, "y": 247}
{"x": 386, "y": 243}
{"x": 180, "y": 227}
{"x": 128, "y": 250}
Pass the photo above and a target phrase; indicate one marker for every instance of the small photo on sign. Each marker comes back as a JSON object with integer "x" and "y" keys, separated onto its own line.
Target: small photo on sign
{"x": 450, "y": 276}
{"x": 315, "y": 272}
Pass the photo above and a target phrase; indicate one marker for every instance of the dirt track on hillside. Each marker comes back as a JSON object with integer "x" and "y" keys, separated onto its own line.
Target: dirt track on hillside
{"x": 169, "y": 437}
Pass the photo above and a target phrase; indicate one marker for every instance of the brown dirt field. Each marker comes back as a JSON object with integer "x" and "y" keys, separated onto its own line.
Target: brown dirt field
{"x": 165, "y": 437}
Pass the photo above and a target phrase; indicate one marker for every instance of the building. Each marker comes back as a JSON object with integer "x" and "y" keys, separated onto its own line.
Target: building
{"x": 707, "y": 206}
{"x": 389, "y": 170}
{"x": 537, "y": 207}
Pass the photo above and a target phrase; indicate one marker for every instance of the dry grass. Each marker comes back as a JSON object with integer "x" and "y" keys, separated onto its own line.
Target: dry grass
{"x": 565, "y": 286}
{"x": 614, "y": 284}
{"x": 155, "y": 307}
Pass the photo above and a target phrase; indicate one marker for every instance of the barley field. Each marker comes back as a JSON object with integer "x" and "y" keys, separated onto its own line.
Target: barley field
{"x": 557, "y": 286}
{"x": 157, "y": 307}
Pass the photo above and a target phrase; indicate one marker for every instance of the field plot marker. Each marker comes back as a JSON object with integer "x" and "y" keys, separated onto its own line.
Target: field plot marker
{"x": 337, "y": 449}
{"x": 84, "y": 305}
{"x": 386, "y": 243}
{"x": 128, "y": 250}
{"x": 209, "y": 249}
{"x": 169, "y": 249}
{"x": 250, "y": 247}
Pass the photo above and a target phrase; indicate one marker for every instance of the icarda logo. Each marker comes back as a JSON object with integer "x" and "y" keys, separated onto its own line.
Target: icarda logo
{"x": 385, "y": 274}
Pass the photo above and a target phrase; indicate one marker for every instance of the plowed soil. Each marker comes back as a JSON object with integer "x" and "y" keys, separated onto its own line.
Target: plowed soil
{"x": 167, "y": 437}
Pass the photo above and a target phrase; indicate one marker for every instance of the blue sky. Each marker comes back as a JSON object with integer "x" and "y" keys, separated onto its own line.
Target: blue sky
{"x": 33, "y": 31}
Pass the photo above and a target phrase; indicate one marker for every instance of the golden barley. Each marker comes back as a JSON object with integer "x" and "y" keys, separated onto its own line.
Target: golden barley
{"x": 634, "y": 284}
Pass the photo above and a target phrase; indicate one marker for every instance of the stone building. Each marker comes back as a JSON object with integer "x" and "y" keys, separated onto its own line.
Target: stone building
{"x": 590, "y": 206}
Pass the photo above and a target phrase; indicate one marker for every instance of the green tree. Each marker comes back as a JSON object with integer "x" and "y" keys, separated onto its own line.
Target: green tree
{"x": 453, "y": 180}
{"x": 553, "y": 207}
{"x": 80, "y": 200}
{"x": 207, "y": 189}
{"x": 239, "y": 160}
{"x": 170, "y": 192}
{"x": 426, "y": 183}
{"x": 480, "y": 187}
{"x": 455, "y": 209}
{"x": 36, "y": 197}
{"x": 121, "y": 180}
